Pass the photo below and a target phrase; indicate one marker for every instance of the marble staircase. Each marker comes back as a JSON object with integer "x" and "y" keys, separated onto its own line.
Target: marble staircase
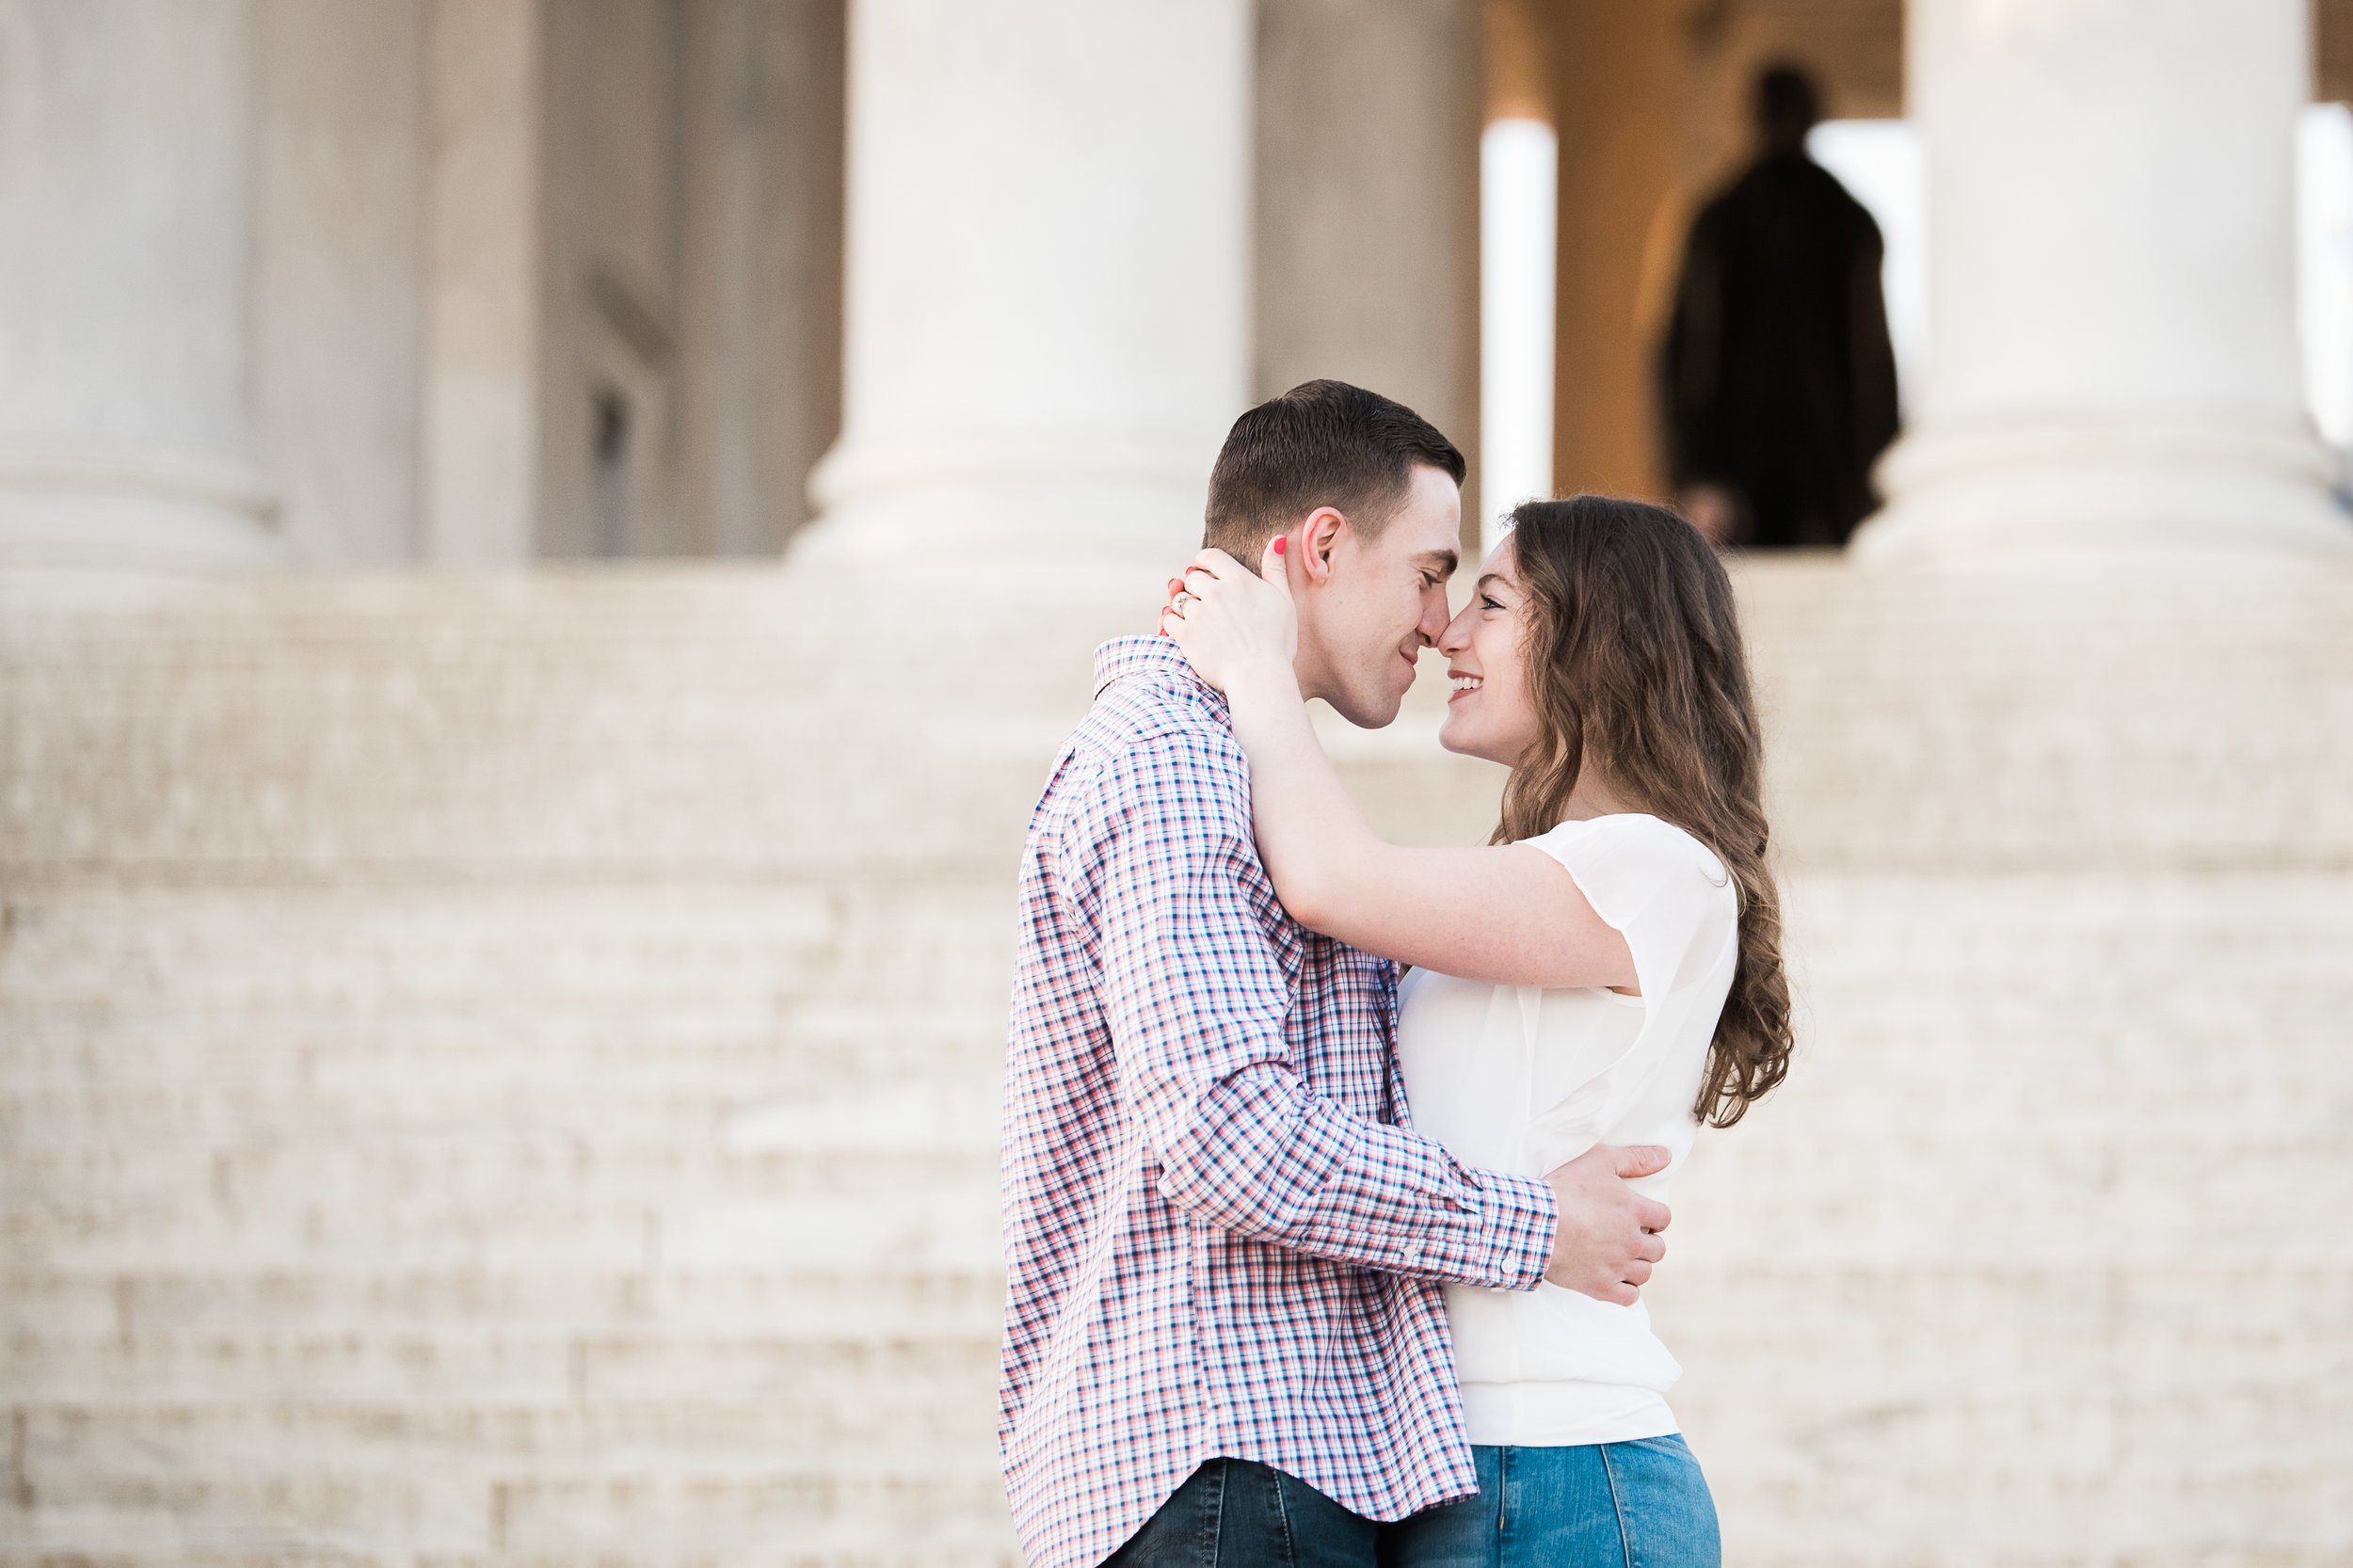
{"x": 504, "y": 1070}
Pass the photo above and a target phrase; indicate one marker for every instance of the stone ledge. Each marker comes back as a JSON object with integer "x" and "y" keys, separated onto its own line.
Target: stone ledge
{"x": 644, "y": 723}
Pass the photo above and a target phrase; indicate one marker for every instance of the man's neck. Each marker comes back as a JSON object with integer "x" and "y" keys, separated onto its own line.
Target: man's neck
{"x": 1308, "y": 669}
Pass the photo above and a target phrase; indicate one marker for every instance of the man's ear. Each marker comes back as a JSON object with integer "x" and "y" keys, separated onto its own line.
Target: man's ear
{"x": 1318, "y": 536}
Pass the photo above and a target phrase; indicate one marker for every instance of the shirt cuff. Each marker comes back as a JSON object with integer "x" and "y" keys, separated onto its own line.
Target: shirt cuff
{"x": 1518, "y": 1218}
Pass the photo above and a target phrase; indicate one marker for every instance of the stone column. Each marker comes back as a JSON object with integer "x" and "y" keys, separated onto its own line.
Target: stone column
{"x": 481, "y": 426}
{"x": 2113, "y": 356}
{"x": 1617, "y": 91}
{"x": 338, "y": 268}
{"x": 761, "y": 258}
{"x": 1366, "y": 260}
{"x": 125, "y": 214}
{"x": 1047, "y": 280}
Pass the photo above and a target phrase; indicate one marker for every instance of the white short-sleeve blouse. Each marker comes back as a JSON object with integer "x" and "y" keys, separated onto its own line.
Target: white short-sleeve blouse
{"x": 1523, "y": 1080}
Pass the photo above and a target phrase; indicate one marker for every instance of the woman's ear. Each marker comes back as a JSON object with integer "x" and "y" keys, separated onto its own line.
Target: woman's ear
{"x": 1318, "y": 536}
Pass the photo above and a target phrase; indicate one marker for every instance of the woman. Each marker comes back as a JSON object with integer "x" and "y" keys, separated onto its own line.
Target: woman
{"x": 1626, "y": 1002}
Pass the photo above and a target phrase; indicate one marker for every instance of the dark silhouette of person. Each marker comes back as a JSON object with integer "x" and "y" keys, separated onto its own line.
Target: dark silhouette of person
{"x": 1777, "y": 377}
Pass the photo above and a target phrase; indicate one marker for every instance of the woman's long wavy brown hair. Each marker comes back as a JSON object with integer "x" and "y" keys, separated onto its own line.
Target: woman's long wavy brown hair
{"x": 1635, "y": 664}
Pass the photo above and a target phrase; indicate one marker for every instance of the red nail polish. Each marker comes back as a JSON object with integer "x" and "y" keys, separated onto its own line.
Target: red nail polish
{"x": 1278, "y": 545}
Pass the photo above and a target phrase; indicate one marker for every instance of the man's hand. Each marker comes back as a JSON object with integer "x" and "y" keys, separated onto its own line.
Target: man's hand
{"x": 1608, "y": 1237}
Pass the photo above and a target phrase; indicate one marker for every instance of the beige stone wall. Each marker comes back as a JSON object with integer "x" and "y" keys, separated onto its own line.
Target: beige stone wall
{"x": 504, "y": 1070}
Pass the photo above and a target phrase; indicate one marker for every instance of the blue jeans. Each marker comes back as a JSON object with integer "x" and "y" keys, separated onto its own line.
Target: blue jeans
{"x": 1642, "y": 1504}
{"x": 1235, "y": 1514}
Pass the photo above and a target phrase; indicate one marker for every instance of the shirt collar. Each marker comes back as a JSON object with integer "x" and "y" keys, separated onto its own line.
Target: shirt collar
{"x": 1156, "y": 661}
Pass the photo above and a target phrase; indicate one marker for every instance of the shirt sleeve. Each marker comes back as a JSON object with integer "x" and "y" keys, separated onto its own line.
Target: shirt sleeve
{"x": 1667, "y": 894}
{"x": 1661, "y": 889}
{"x": 1196, "y": 996}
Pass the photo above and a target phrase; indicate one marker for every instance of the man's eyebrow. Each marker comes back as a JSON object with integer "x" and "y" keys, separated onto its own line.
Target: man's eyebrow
{"x": 1444, "y": 560}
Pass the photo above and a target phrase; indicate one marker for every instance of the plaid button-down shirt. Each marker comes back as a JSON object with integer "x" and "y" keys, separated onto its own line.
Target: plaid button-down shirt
{"x": 1222, "y": 1236}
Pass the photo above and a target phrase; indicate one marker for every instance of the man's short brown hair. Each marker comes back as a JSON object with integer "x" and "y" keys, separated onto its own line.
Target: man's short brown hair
{"x": 1323, "y": 443}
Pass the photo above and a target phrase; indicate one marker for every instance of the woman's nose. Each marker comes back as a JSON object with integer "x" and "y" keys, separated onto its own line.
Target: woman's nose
{"x": 1456, "y": 636}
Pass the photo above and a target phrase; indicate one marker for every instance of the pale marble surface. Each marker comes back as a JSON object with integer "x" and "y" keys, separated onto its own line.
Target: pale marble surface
{"x": 504, "y": 1068}
{"x": 2112, "y": 358}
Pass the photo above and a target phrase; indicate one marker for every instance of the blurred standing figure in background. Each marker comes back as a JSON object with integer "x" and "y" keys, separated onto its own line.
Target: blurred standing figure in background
{"x": 1777, "y": 379}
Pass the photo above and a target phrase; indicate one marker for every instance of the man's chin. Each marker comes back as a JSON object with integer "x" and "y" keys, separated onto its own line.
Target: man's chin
{"x": 1378, "y": 713}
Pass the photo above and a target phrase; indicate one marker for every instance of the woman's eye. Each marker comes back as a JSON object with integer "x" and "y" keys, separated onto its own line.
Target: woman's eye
{"x": 1486, "y": 603}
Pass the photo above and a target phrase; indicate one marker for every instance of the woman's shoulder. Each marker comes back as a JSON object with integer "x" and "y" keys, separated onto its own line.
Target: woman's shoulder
{"x": 1660, "y": 886}
{"x": 1628, "y": 840}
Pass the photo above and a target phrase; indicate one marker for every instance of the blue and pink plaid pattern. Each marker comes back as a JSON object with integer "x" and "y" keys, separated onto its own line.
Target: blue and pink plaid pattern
{"x": 1222, "y": 1236}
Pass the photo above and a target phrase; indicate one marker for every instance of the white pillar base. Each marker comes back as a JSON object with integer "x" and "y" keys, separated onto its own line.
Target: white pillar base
{"x": 2068, "y": 483}
{"x": 78, "y": 504}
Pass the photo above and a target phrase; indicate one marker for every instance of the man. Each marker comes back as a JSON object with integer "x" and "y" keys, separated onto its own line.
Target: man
{"x": 1223, "y": 1331}
{"x": 1778, "y": 379}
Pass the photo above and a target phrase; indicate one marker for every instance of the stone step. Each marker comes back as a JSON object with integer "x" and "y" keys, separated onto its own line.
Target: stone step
{"x": 1850, "y": 1045}
{"x": 430, "y": 1200}
{"x": 2013, "y": 1209}
{"x": 328, "y": 1168}
{"x": 881, "y": 1301}
{"x": 902, "y": 1226}
{"x": 1899, "y": 1325}
{"x": 1746, "y": 1333}
{"x": 471, "y": 1060}
{"x": 455, "y": 1369}
{"x": 702, "y": 1437}
{"x": 304, "y": 723}
{"x": 363, "y": 1555}
{"x": 506, "y": 1072}
{"x": 219, "y": 1116}
{"x": 825, "y": 1515}
{"x": 2068, "y": 1518}
{"x": 912, "y": 1059}
{"x": 2032, "y": 1189}
{"x": 367, "y": 948}
{"x": 2047, "y": 1425}
{"x": 2041, "y": 1195}
{"x": 470, "y": 942}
